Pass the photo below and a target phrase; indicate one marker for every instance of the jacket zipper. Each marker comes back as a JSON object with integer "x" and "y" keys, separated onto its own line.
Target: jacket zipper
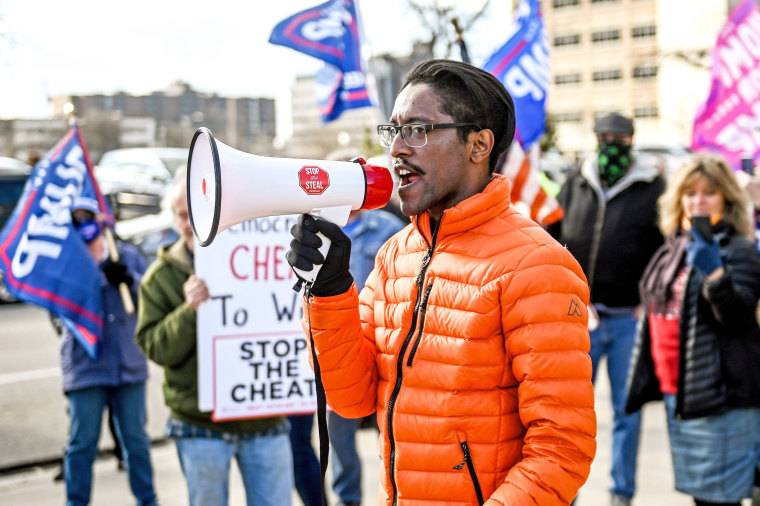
{"x": 423, "y": 309}
{"x": 400, "y": 361}
{"x": 471, "y": 468}
{"x": 599, "y": 223}
{"x": 596, "y": 239}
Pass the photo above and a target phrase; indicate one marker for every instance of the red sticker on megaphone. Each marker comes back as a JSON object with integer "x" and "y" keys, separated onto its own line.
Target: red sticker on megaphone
{"x": 313, "y": 179}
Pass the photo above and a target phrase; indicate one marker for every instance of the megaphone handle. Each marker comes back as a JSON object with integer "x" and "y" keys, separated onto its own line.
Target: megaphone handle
{"x": 339, "y": 216}
{"x": 311, "y": 275}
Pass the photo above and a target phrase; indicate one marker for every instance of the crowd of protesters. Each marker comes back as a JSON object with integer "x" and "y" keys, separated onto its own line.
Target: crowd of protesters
{"x": 473, "y": 336}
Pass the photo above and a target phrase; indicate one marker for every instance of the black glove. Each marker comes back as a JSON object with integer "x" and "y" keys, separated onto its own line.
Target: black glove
{"x": 334, "y": 278}
{"x": 116, "y": 272}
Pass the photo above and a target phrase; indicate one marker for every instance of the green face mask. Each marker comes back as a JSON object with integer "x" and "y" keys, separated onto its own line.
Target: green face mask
{"x": 614, "y": 160}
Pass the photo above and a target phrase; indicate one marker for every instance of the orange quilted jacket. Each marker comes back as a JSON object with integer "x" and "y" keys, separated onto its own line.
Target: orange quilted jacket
{"x": 471, "y": 344}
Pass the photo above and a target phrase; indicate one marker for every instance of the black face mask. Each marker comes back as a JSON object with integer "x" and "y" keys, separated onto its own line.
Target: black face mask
{"x": 614, "y": 160}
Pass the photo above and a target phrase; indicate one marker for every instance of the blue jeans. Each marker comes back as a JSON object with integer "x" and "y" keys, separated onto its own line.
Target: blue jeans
{"x": 264, "y": 460}
{"x": 86, "y": 413}
{"x": 614, "y": 338}
{"x": 308, "y": 474}
{"x": 347, "y": 468}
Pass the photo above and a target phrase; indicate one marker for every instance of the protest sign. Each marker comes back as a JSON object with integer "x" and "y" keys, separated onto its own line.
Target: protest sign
{"x": 262, "y": 375}
{"x": 252, "y": 353}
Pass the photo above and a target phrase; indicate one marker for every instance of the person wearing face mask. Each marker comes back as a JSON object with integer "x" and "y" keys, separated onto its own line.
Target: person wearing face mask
{"x": 699, "y": 343}
{"x": 610, "y": 227}
{"x": 116, "y": 378}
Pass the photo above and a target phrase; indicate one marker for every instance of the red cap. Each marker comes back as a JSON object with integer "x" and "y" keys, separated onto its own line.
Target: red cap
{"x": 379, "y": 186}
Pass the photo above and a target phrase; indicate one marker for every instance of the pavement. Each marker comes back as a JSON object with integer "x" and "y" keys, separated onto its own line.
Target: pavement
{"x": 35, "y": 485}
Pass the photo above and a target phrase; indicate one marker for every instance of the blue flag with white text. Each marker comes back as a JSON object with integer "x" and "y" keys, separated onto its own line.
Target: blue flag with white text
{"x": 44, "y": 260}
{"x": 330, "y": 32}
{"x": 522, "y": 65}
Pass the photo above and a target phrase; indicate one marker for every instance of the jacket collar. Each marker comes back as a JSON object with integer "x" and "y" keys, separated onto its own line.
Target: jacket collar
{"x": 176, "y": 254}
{"x": 471, "y": 212}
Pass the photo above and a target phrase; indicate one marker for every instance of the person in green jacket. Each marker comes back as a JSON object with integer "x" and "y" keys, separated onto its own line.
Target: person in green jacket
{"x": 170, "y": 294}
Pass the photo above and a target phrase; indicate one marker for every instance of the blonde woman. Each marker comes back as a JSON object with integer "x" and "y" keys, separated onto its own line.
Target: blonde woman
{"x": 698, "y": 345}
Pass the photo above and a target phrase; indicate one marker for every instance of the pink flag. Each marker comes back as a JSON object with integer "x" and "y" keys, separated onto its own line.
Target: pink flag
{"x": 729, "y": 122}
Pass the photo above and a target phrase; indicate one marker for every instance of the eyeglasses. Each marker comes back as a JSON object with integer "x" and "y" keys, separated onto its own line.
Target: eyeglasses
{"x": 414, "y": 134}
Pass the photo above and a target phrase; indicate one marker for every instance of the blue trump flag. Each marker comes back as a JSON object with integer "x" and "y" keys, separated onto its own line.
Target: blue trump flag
{"x": 522, "y": 65}
{"x": 330, "y": 32}
{"x": 42, "y": 257}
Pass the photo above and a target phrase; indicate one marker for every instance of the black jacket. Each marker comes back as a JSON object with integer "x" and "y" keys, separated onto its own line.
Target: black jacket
{"x": 613, "y": 236}
{"x": 719, "y": 358}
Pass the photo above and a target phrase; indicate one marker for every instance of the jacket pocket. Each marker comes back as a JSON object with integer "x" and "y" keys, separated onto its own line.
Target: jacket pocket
{"x": 471, "y": 469}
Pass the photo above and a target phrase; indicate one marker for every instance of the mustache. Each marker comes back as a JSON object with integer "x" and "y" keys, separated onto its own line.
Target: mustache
{"x": 416, "y": 168}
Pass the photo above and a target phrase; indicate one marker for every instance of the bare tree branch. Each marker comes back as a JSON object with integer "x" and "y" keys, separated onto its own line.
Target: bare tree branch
{"x": 697, "y": 57}
{"x": 473, "y": 18}
{"x": 435, "y": 16}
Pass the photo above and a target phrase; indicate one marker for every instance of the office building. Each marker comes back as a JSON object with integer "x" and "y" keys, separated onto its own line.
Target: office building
{"x": 649, "y": 59}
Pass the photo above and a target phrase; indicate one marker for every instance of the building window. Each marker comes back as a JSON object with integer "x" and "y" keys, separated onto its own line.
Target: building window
{"x": 605, "y": 36}
{"x": 558, "y": 4}
{"x": 564, "y": 79}
{"x": 567, "y": 40}
{"x": 567, "y": 117}
{"x": 643, "y": 32}
{"x": 607, "y": 75}
{"x": 649, "y": 111}
{"x": 645, "y": 72}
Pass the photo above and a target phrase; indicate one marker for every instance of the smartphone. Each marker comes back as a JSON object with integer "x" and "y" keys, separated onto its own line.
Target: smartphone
{"x": 702, "y": 223}
{"x": 748, "y": 165}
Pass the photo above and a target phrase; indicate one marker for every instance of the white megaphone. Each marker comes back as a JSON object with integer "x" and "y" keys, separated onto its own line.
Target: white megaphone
{"x": 226, "y": 186}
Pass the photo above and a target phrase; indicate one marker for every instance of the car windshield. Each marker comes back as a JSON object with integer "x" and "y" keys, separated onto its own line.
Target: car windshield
{"x": 139, "y": 169}
{"x": 166, "y": 158}
{"x": 173, "y": 163}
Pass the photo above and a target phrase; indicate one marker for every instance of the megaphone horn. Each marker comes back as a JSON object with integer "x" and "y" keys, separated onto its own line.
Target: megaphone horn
{"x": 226, "y": 186}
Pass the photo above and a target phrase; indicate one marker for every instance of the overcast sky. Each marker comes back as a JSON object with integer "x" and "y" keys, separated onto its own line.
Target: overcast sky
{"x": 53, "y": 47}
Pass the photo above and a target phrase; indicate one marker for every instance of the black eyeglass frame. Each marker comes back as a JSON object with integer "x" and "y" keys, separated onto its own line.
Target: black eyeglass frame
{"x": 395, "y": 129}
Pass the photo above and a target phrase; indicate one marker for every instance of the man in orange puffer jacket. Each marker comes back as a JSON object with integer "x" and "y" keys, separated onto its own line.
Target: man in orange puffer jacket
{"x": 470, "y": 337}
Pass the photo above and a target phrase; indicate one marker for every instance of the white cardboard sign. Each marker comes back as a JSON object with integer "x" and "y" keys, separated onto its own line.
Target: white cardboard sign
{"x": 252, "y": 353}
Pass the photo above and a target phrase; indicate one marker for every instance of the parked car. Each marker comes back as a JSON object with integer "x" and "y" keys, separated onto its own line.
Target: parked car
{"x": 135, "y": 179}
{"x": 13, "y": 176}
{"x": 667, "y": 157}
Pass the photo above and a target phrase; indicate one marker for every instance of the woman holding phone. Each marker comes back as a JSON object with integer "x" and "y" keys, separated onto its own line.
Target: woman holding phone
{"x": 698, "y": 342}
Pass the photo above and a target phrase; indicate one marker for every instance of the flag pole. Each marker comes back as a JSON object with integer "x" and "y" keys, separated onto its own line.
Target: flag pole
{"x": 113, "y": 252}
{"x": 464, "y": 54}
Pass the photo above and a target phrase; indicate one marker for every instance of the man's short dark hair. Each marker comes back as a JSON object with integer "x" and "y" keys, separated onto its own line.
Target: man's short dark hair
{"x": 470, "y": 95}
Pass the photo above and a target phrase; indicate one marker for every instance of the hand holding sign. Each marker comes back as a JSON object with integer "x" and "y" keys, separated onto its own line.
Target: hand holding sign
{"x": 196, "y": 291}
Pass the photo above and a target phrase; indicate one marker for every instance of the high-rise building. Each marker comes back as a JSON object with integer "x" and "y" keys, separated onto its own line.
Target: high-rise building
{"x": 649, "y": 59}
